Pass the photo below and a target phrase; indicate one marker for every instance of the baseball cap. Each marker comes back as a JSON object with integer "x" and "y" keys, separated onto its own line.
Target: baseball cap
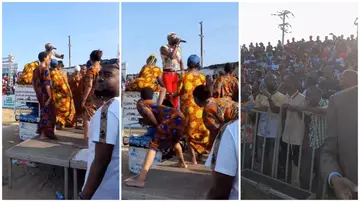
{"x": 77, "y": 68}
{"x": 48, "y": 46}
{"x": 170, "y": 35}
{"x": 193, "y": 59}
{"x": 54, "y": 63}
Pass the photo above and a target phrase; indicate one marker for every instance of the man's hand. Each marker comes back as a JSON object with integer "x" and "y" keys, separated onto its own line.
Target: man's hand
{"x": 294, "y": 108}
{"x": 178, "y": 41}
{"x": 266, "y": 93}
{"x": 62, "y": 56}
{"x": 343, "y": 187}
{"x": 83, "y": 103}
{"x": 285, "y": 106}
{"x": 47, "y": 102}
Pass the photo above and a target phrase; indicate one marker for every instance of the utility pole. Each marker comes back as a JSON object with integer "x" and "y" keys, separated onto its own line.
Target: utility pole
{"x": 69, "y": 51}
{"x": 357, "y": 26}
{"x": 285, "y": 25}
{"x": 201, "y": 44}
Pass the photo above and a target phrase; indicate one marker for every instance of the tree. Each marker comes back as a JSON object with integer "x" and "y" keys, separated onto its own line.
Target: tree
{"x": 284, "y": 26}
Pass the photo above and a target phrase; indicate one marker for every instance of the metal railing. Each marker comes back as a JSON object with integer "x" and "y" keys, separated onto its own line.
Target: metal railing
{"x": 259, "y": 151}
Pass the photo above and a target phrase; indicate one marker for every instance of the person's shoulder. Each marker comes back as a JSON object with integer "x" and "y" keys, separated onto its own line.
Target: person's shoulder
{"x": 232, "y": 129}
{"x": 202, "y": 76}
{"x": 346, "y": 92}
{"x": 112, "y": 106}
{"x": 164, "y": 47}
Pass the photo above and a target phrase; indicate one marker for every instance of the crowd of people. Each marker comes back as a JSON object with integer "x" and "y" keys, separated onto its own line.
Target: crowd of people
{"x": 298, "y": 84}
{"x": 91, "y": 95}
{"x": 191, "y": 106}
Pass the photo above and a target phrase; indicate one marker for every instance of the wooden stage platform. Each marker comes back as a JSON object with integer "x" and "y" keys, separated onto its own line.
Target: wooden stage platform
{"x": 53, "y": 152}
{"x": 168, "y": 182}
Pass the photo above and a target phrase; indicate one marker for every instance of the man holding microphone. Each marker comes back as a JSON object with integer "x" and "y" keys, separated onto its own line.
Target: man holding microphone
{"x": 50, "y": 49}
{"x": 172, "y": 65}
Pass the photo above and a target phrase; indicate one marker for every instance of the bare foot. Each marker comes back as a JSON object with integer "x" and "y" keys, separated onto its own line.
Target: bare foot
{"x": 183, "y": 165}
{"x": 193, "y": 161}
{"x": 135, "y": 183}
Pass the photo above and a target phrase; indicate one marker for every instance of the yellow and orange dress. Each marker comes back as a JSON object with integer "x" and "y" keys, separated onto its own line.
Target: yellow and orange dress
{"x": 63, "y": 99}
{"x": 225, "y": 86}
{"x": 27, "y": 74}
{"x": 92, "y": 103}
{"x": 147, "y": 78}
{"x": 195, "y": 131}
{"x": 171, "y": 121}
{"x": 218, "y": 112}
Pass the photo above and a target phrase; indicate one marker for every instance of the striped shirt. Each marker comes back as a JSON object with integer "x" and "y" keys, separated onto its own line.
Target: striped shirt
{"x": 317, "y": 127}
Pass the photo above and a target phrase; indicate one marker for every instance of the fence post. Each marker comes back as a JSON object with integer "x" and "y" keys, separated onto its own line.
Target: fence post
{"x": 255, "y": 136}
{"x": 244, "y": 139}
{"x": 275, "y": 164}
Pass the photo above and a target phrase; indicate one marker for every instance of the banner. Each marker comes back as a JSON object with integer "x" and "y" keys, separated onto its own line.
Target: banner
{"x": 25, "y": 93}
{"x": 8, "y": 102}
{"x": 130, "y": 113}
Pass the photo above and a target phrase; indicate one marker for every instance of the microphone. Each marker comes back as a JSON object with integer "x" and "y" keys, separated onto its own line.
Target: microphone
{"x": 182, "y": 41}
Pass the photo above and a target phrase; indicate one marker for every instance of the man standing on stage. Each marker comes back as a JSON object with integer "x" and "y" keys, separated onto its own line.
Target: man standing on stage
{"x": 172, "y": 65}
{"x": 50, "y": 49}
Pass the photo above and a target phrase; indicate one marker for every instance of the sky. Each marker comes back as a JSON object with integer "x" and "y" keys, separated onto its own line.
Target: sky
{"x": 27, "y": 27}
{"x": 146, "y": 25}
{"x": 316, "y": 19}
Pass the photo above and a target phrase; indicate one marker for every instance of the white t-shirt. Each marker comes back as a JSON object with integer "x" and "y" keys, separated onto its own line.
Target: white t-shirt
{"x": 294, "y": 128}
{"x": 269, "y": 123}
{"x": 106, "y": 130}
{"x": 227, "y": 158}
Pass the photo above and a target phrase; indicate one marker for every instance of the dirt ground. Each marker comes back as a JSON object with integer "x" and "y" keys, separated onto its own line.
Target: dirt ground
{"x": 28, "y": 182}
{"x": 8, "y": 116}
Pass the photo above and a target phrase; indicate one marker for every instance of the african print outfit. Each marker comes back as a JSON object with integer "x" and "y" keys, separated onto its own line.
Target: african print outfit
{"x": 41, "y": 79}
{"x": 171, "y": 121}
{"x": 77, "y": 89}
{"x": 195, "y": 130}
{"x": 93, "y": 102}
{"x": 147, "y": 78}
{"x": 218, "y": 112}
{"x": 225, "y": 86}
{"x": 27, "y": 74}
{"x": 62, "y": 97}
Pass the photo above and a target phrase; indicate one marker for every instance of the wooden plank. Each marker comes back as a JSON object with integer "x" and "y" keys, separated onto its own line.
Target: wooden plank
{"x": 54, "y": 152}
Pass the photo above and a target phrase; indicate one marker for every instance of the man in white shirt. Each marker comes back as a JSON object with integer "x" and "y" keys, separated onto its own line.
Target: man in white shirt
{"x": 294, "y": 128}
{"x": 224, "y": 161}
{"x": 269, "y": 100}
{"x": 102, "y": 175}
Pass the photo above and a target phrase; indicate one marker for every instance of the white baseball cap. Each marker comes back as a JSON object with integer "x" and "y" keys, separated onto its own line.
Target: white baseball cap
{"x": 77, "y": 68}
